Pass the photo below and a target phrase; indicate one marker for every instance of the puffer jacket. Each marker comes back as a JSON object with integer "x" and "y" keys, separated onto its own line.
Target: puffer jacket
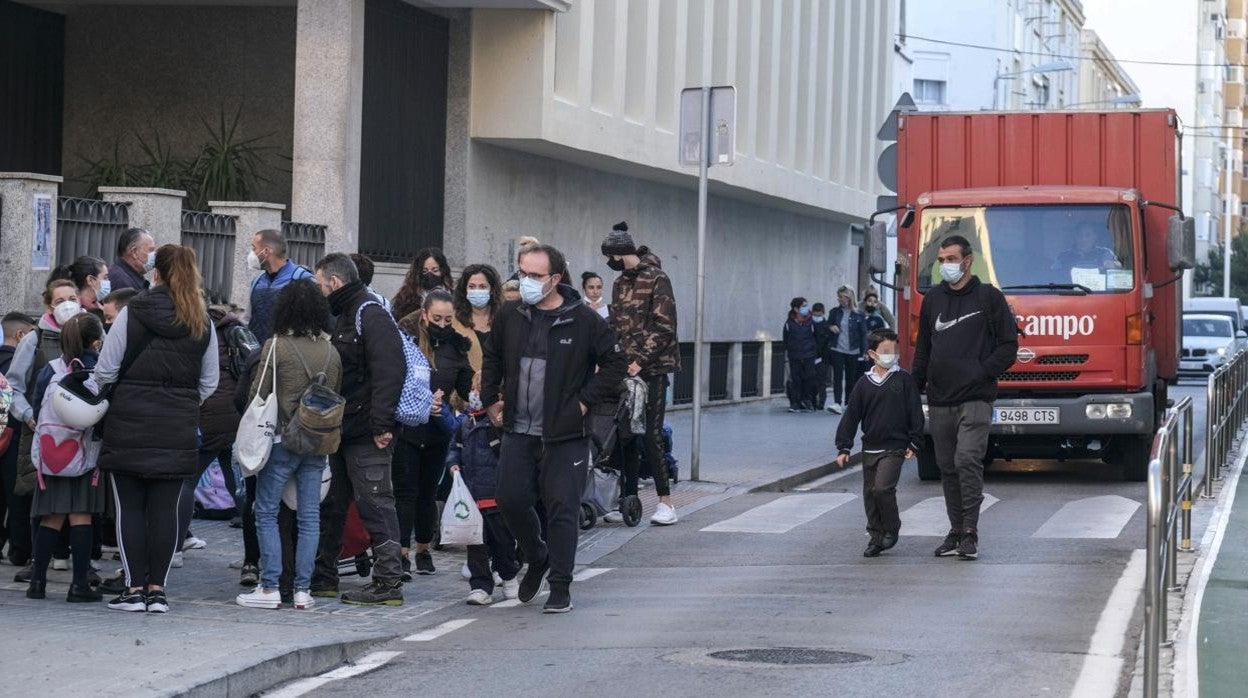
{"x": 218, "y": 420}
{"x": 475, "y": 449}
{"x": 643, "y": 315}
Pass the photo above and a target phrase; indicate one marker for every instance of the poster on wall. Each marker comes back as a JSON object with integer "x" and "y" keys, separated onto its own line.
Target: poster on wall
{"x": 42, "y": 258}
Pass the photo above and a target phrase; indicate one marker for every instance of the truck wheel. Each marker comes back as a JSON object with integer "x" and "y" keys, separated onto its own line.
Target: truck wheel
{"x": 928, "y": 470}
{"x": 1133, "y": 457}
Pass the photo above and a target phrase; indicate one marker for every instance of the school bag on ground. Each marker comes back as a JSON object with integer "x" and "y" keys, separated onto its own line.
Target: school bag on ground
{"x": 315, "y": 428}
{"x": 415, "y": 400}
{"x": 461, "y": 520}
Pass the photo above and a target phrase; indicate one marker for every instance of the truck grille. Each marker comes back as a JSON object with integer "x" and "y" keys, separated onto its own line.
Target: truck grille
{"x": 1063, "y": 359}
{"x": 1039, "y": 376}
{"x": 1195, "y": 353}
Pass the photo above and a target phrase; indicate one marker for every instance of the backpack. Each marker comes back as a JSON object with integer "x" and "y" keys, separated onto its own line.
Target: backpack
{"x": 57, "y": 449}
{"x": 315, "y": 428}
{"x": 237, "y": 343}
{"x": 213, "y": 499}
{"x": 415, "y": 400}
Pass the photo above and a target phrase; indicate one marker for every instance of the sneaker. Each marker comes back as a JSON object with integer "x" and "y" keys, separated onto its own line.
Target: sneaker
{"x": 465, "y": 572}
{"x": 59, "y": 564}
{"x": 795, "y": 410}
{"x": 890, "y": 539}
{"x": 613, "y": 517}
{"x": 325, "y": 592}
{"x": 873, "y": 550}
{"x": 156, "y": 602}
{"x": 511, "y": 588}
{"x": 664, "y": 515}
{"x": 407, "y": 569}
{"x": 23, "y": 575}
{"x": 424, "y": 564}
{"x": 531, "y": 584}
{"x": 968, "y": 547}
{"x": 478, "y": 597}
{"x": 560, "y": 600}
{"x": 303, "y": 601}
{"x": 837, "y": 408}
{"x": 129, "y": 601}
{"x": 250, "y": 576}
{"x": 194, "y": 543}
{"x": 950, "y": 546}
{"x": 83, "y": 594}
{"x": 177, "y": 560}
{"x": 238, "y": 564}
{"x": 260, "y": 598}
{"x": 115, "y": 584}
{"x": 375, "y": 594}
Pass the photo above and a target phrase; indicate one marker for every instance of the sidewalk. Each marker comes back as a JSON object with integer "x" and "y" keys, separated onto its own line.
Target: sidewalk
{"x": 209, "y": 646}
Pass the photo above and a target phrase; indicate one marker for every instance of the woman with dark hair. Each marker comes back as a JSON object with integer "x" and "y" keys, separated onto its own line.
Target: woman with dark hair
{"x": 478, "y": 296}
{"x": 162, "y": 355}
{"x": 90, "y": 275}
{"x": 591, "y": 284}
{"x": 428, "y": 271}
{"x": 302, "y": 352}
{"x": 420, "y": 458}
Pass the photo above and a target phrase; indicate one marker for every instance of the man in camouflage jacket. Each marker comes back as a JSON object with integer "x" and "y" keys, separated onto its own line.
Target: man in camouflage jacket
{"x": 643, "y": 314}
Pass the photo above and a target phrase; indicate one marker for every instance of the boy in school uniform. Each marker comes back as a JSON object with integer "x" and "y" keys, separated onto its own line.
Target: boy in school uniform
{"x": 886, "y": 403}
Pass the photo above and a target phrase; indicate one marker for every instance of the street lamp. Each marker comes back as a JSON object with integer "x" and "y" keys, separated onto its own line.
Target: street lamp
{"x": 1058, "y": 66}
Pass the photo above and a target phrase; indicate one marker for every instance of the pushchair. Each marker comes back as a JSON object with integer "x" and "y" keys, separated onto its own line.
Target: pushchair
{"x": 603, "y": 485}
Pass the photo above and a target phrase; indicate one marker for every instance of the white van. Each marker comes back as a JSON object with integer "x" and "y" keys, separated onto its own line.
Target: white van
{"x": 1218, "y": 305}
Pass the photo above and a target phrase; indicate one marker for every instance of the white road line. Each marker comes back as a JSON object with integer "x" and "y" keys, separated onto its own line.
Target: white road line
{"x": 449, "y": 626}
{"x": 1091, "y": 517}
{"x": 928, "y": 517}
{"x": 816, "y": 484}
{"x": 782, "y": 515}
{"x": 1103, "y": 663}
{"x": 362, "y": 665}
{"x": 590, "y": 573}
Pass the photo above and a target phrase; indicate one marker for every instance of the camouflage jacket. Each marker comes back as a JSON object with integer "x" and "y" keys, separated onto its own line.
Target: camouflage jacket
{"x": 643, "y": 314}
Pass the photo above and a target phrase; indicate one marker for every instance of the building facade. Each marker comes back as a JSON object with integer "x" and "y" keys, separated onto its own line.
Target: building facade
{"x": 1209, "y": 141}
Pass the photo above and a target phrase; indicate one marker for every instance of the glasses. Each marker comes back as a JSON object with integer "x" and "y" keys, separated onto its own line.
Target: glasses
{"x": 535, "y": 277}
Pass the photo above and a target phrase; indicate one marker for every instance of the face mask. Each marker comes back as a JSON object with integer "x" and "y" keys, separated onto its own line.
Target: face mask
{"x": 441, "y": 333}
{"x": 65, "y": 311}
{"x": 804, "y": 310}
{"x": 819, "y": 318}
{"x": 951, "y": 272}
{"x": 430, "y": 280}
{"x": 106, "y": 287}
{"x": 253, "y": 261}
{"x": 531, "y": 292}
{"x": 615, "y": 264}
{"x": 479, "y": 298}
{"x": 886, "y": 361}
{"x": 871, "y": 307}
{"x": 150, "y": 264}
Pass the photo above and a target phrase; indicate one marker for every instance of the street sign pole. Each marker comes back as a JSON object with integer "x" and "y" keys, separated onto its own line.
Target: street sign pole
{"x": 695, "y": 453}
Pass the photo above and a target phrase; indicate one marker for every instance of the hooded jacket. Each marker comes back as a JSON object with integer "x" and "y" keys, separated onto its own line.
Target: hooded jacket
{"x": 373, "y": 365}
{"x": 584, "y": 364}
{"x": 643, "y": 315}
{"x": 967, "y": 338}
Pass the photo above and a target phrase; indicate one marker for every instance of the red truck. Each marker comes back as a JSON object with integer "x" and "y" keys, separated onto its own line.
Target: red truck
{"x": 1075, "y": 216}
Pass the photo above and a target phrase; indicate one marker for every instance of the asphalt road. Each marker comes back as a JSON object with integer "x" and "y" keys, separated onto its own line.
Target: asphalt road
{"x": 1020, "y": 621}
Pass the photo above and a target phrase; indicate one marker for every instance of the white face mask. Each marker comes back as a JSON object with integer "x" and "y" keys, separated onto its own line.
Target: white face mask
{"x": 531, "y": 291}
{"x": 150, "y": 264}
{"x": 253, "y": 261}
{"x": 479, "y": 297}
{"x": 65, "y": 311}
{"x": 951, "y": 272}
{"x": 106, "y": 287}
{"x": 886, "y": 361}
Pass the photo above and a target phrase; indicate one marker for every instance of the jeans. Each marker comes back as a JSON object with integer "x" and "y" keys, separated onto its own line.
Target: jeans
{"x": 361, "y": 472}
{"x": 960, "y": 436}
{"x": 270, "y": 482}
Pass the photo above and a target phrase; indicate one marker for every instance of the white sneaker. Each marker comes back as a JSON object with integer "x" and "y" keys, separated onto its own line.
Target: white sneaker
{"x": 177, "y": 560}
{"x": 58, "y": 564}
{"x": 664, "y": 515}
{"x": 613, "y": 517}
{"x": 303, "y": 600}
{"x": 194, "y": 543}
{"x": 511, "y": 588}
{"x": 260, "y": 598}
{"x": 837, "y": 408}
{"x": 478, "y": 597}
{"x": 465, "y": 572}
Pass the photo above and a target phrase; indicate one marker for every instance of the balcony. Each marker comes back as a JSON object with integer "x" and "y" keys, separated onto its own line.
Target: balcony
{"x": 1233, "y": 95}
{"x": 1235, "y": 49}
{"x": 1235, "y": 9}
{"x": 1234, "y": 118}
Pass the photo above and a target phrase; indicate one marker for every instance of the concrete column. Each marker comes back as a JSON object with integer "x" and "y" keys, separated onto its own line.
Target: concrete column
{"x": 250, "y": 217}
{"x": 767, "y": 358}
{"x": 23, "y": 270}
{"x": 734, "y": 372}
{"x": 157, "y": 210}
{"x": 329, "y": 86}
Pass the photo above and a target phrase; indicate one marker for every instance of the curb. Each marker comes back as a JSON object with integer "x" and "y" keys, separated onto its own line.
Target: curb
{"x": 796, "y": 476}
{"x": 270, "y": 672}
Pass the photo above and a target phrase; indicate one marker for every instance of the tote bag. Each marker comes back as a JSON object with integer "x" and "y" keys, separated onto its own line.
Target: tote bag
{"x": 259, "y": 423}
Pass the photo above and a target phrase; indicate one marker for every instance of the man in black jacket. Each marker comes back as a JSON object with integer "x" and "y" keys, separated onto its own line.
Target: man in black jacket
{"x": 552, "y": 357}
{"x": 967, "y": 337}
{"x": 373, "y": 370}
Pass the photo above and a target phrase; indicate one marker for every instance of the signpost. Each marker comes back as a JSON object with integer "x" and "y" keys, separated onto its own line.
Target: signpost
{"x": 708, "y": 135}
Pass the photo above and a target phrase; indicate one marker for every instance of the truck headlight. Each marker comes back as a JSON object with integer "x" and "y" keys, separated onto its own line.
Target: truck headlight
{"x": 1113, "y": 410}
{"x": 1095, "y": 411}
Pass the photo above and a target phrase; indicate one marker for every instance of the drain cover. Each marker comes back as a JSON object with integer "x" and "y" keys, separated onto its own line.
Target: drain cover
{"x": 789, "y": 656}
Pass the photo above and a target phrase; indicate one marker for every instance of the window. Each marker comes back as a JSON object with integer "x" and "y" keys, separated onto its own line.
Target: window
{"x": 929, "y": 91}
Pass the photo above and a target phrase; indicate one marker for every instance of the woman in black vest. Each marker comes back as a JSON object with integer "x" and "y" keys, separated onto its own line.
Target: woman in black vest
{"x": 162, "y": 355}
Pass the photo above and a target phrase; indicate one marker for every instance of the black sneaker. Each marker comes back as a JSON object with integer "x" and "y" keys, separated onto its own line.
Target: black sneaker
{"x": 424, "y": 563}
{"x": 375, "y": 594}
{"x": 950, "y": 546}
{"x": 250, "y": 576}
{"x": 156, "y": 602}
{"x": 873, "y": 550}
{"x": 83, "y": 594}
{"x": 407, "y": 569}
{"x": 532, "y": 581}
{"x": 890, "y": 539}
{"x": 23, "y": 575}
{"x": 129, "y": 601}
{"x": 559, "y": 601}
{"x": 968, "y": 548}
{"x": 114, "y": 585}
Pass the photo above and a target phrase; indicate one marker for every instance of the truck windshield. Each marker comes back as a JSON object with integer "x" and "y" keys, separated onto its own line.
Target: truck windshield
{"x": 1036, "y": 249}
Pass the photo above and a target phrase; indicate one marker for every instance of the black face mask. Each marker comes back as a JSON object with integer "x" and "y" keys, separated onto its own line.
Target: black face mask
{"x": 430, "y": 280}
{"x": 615, "y": 264}
{"x": 871, "y": 307}
{"x": 440, "y": 333}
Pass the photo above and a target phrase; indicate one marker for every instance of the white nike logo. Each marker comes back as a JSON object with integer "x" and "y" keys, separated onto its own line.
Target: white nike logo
{"x": 577, "y": 464}
{"x": 942, "y": 326}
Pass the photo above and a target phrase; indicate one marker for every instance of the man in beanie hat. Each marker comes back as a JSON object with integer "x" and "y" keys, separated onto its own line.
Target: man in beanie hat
{"x": 643, "y": 314}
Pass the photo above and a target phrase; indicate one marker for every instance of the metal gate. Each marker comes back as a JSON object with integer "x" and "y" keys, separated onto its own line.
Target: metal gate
{"x": 212, "y": 237}
{"x": 89, "y": 227}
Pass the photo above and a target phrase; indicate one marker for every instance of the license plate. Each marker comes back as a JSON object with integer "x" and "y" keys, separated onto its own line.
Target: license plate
{"x": 1026, "y": 415}
{"x": 1191, "y": 365}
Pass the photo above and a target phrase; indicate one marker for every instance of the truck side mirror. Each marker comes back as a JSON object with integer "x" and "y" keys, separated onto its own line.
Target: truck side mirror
{"x": 1181, "y": 243}
{"x": 874, "y": 247}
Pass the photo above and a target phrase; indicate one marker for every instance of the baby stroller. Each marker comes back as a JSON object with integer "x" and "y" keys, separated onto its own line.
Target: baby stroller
{"x": 603, "y": 485}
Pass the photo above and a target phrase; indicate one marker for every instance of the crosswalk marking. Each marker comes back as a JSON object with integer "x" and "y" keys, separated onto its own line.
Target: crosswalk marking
{"x": 928, "y": 517}
{"x": 439, "y": 631}
{"x": 782, "y": 515}
{"x": 590, "y": 573}
{"x": 1092, "y": 517}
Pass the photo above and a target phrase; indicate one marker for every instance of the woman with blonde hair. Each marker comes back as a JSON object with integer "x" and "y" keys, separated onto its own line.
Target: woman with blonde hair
{"x": 161, "y": 357}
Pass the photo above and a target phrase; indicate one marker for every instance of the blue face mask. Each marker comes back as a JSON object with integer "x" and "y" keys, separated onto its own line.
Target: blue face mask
{"x": 479, "y": 297}
{"x": 531, "y": 292}
{"x": 804, "y": 310}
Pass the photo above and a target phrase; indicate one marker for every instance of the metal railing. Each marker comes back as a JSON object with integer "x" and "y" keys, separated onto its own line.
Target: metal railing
{"x": 1227, "y": 409}
{"x": 305, "y": 242}
{"x": 89, "y": 227}
{"x": 211, "y": 235}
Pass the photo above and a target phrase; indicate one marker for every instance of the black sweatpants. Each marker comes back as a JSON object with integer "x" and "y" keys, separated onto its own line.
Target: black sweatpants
{"x": 149, "y": 526}
{"x": 497, "y": 554}
{"x": 880, "y": 473}
{"x": 360, "y": 471}
{"x": 844, "y": 375}
{"x": 651, "y": 442}
{"x": 417, "y": 470}
{"x": 21, "y": 540}
{"x": 803, "y": 382}
{"x": 529, "y": 468}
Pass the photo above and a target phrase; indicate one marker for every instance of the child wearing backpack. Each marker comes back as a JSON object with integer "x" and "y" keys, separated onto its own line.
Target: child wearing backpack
{"x": 473, "y": 454}
{"x": 885, "y": 401}
{"x": 59, "y": 450}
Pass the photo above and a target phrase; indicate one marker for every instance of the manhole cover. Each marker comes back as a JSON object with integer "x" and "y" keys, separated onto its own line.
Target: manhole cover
{"x": 789, "y": 656}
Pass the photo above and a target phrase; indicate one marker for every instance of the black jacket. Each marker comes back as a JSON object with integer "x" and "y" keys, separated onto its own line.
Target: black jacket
{"x": 584, "y": 364}
{"x": 799, "y": 338}
{"x": 891, "y": 414}
{"x": 967, "y": 338}
{"x": 218, "y": 418}
{"x": 373, "y": 366}
{"x": 449, "y": 372}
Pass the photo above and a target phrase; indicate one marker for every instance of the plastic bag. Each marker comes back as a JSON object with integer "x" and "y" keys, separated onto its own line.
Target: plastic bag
{"x": 461, "y": 520}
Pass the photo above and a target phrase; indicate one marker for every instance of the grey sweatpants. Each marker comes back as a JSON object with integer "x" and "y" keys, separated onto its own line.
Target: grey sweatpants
{"x": 960, "y": 435}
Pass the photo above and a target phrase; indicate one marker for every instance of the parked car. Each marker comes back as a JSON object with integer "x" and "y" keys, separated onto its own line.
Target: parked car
{"x": 1218, "y": 305}
{"x": 1209, "y": 340}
